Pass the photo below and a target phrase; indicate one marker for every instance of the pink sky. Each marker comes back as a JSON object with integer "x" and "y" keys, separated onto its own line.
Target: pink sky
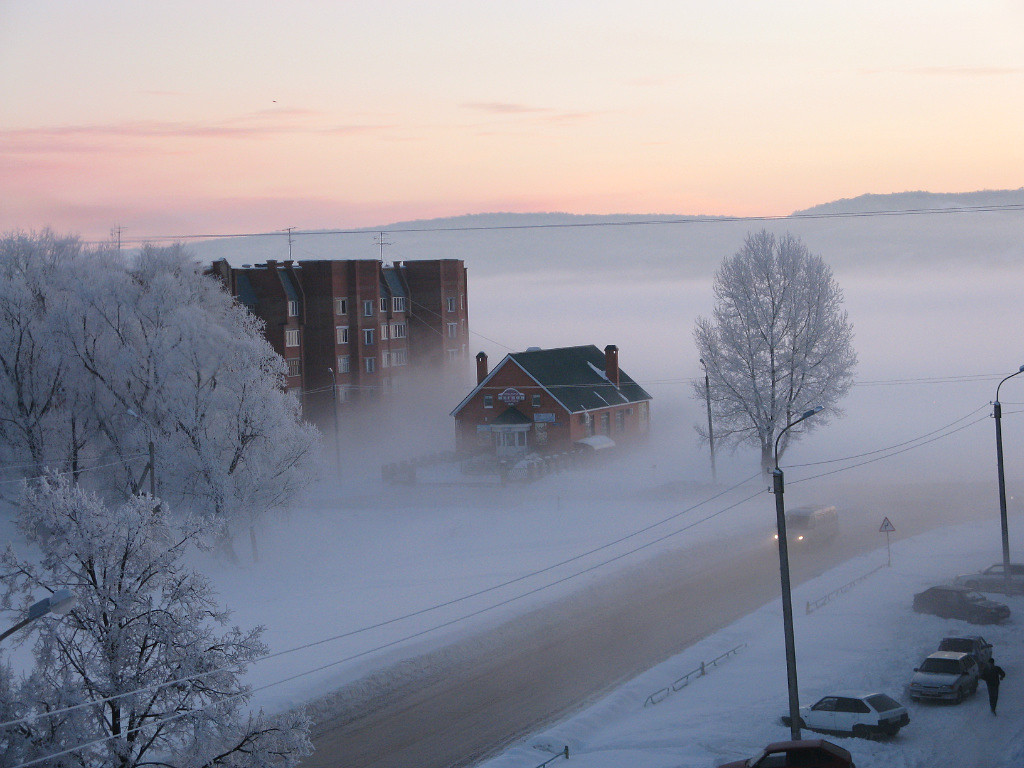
{"x": 217, "y": 117}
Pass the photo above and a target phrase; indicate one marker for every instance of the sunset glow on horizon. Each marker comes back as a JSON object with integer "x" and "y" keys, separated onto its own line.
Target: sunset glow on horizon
{"x": 188, "y": 118}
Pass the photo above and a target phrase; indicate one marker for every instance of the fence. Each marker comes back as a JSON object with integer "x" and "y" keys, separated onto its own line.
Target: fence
{"x": 564, "y": 753}
{"x": 660, "y": 695}
{"x": 813, "y": 605}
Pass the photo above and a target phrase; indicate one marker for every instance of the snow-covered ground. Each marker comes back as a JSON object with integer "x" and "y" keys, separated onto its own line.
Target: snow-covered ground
{"x": 867, "y": 638}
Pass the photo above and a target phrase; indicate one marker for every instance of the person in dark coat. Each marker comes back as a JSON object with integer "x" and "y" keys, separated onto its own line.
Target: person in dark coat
{"x": 992, "y": 674}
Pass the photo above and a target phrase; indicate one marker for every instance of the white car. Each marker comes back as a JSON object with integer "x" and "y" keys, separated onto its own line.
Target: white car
{"x": 946, "y": 676}
{"x": 859, "y": 713}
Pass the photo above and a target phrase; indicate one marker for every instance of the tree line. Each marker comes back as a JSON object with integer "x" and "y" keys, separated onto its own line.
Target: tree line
{"x": 105, "y": 360}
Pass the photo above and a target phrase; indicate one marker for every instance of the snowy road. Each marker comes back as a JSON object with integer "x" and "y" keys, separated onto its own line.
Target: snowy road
{"x": 472, "y": 700}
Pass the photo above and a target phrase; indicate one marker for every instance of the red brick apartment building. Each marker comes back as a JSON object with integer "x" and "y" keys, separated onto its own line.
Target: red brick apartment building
{"x": 550, "y": 400}
{"x": 359, "y": 324}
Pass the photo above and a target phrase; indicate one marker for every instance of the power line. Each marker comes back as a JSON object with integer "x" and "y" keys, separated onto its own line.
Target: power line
{"x": 686, "y": 220}
{"x": 911, "y": 444}
{"x": 464, "y": 617}
{"x": 395, "y": 619}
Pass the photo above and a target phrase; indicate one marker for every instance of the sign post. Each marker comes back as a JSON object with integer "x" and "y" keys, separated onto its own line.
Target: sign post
{"x": 887, "y": 528}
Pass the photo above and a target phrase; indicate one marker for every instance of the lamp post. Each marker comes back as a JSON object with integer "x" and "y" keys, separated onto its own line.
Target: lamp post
{"x": 997, "y": 412}
{"x": 60, "y": 602}
{"x": 711, "y": 433}
{"x": 334, "y": 406}
{"x": 787, "y": 597}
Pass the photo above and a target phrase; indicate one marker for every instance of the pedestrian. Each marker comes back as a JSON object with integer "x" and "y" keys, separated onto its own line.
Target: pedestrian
{"x": 992, "y": 674}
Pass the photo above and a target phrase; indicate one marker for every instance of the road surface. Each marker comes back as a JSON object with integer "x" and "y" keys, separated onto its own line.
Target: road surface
{"x": 468, "y": 702}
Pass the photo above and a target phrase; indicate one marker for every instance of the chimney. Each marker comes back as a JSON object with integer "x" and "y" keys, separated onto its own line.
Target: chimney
{"x": 611, "y": 364}
{"x": 481, "y": 367}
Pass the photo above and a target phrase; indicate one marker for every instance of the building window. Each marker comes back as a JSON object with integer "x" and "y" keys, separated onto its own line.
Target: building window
{"x": 383, "y": 303}
{"x": 398, "y": 357}
{"x": 368, "y": 308}
{"x": 488, "y": 401}
{"x": 606, "y": 424}
{"x": 385, "y": 359}
{"x": 620, "y": 420}
{"x": 343, "y": 364}
{"x": 293, "y": 308}
{"x": 536, "y": 401}
{"x": 341, "y": 306}
{"x": 370, "y": 363}
{"x": 398, "y": 330}
{"x": 453, "y": 330}
{"x": 342, "y": 394}
{"x": 384, "y": 332}
{"x": 451, "y": 355}
{"x": 294, "y": 366}
{"x": 398, "y": 304}
{"x": 291, "y": 337}
{"x": 462, "y": 300}
{"x": 341, "y": 334}
{"x": 368, "y": 336}
{"x": 451, "y": 303}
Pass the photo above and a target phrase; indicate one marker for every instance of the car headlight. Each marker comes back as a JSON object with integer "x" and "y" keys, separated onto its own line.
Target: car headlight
{"x": 800, "y": 538}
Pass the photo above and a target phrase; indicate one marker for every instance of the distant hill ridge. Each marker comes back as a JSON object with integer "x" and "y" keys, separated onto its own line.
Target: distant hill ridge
{"x": 581, "y": 246}
{"x": 905, "y": 201}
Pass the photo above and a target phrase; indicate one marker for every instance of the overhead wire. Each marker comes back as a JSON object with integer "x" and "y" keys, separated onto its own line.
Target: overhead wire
{"x": 642, "y": 221}
{"x": 248, "y": 693}
{"x": 907, "y": 445}
{"x": 396, "y": 619}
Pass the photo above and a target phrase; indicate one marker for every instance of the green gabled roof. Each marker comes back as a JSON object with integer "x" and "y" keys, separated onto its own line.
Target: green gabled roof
{"x": 575, "y": 377}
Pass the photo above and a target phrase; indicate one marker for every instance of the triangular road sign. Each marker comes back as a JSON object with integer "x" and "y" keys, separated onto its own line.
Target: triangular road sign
{"x": 887, "y": 527}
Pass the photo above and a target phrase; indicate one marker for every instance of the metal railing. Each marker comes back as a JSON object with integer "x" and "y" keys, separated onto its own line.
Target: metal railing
{"x": 660, "y": 695}
{"x": 564, "y": 753}
{"x": 813, "y": 605}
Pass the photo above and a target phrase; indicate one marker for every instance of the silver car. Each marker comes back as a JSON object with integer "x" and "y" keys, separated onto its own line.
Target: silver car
{"x": 945, "y": 676}
{"x": 996, "y": 579}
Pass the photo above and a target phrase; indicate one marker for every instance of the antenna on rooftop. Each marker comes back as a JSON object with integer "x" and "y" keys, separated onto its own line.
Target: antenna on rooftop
{"x": 289, "y": 231}
{"x": 381, "y": 240}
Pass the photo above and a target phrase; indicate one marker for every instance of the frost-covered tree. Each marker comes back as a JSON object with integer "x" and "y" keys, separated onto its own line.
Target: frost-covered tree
{"x": 164, "y": 342}
{"x": 779, "y": 342}
{"x": 141, "y": 620}
{"x": 101, "y": 354}
{"x": 34, "y": 429}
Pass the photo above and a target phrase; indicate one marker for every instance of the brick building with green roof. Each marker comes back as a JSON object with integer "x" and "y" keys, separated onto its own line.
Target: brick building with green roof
{"x": 549, "y": 401}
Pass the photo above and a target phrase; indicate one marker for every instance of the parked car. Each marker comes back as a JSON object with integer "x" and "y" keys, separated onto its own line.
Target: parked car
{"x": 811, "y": 525}
{"x": 810, "y": 753}
{"x": 865, "y": 715}
{"x": 995, "y": 578}
{"x": 945, "y": 676}
{"x": 972, "y": 644}
{"x": 956, "y": 602}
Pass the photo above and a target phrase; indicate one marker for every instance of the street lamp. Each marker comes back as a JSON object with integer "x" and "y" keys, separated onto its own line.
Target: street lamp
{"x": 997, "y": 412}
{"x": 787, "y": 597}
{"x": 711, "y": 433}
{"x": 334, "y": 404}
{"x": 59, "y": 602}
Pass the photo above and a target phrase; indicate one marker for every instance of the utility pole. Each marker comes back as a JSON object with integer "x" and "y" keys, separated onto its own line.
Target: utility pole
{"x": 115, "y": 234}
{"x": 711, "y": 432}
